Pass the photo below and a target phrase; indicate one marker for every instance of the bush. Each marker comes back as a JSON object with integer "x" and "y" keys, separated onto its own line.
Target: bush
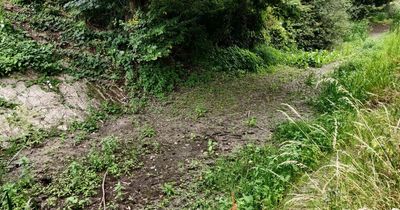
{"x": 159, "y": 78}
{"x": 318, "y": 27}
{"x": 235, "y": 59}
{"x": 270, "y": 55}
{"x": 359, "y": 30}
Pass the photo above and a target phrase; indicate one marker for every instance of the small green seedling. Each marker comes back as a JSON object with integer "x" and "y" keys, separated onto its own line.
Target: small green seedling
{"x": 200, "y": 112}
{"x": 168, "y": 189}
{"x": 251, "y": 122}
{"x": 148, "y": 132}
{"x": 211, "y": 147}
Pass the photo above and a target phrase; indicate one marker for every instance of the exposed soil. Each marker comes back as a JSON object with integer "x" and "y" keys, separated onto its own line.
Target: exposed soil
{"x": 41, "y": 105}
{"x": 377, "y": 30}
{"x": 181, "y": 139}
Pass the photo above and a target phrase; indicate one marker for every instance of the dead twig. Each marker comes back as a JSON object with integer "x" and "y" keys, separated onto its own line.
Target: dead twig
{"x": 15, "y": 156}
{"x": 103, "y": 200}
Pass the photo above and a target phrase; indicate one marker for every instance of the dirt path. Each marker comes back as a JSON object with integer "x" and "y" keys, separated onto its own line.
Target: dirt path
{"x": 185, "y": 123}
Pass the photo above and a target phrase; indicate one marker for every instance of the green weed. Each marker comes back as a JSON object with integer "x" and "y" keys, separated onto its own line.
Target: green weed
{"x": 50, "y": 83}
{"x": 16, "y": 194}
{"x": 148, "y": 132}
{"x": 200, "y": 112}
{"x": 168, "y": 189}
{"x": 82, "y": 179}
{"x": 96, "y": 117}
{"x": 7, "y": 104}
{"x": 211, "y": 147}
{"x": 251, "y": 122}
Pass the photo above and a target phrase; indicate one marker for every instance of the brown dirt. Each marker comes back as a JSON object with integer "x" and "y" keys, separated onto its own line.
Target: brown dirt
{"x": 377, "y": 30}
{"x": 182, "y": 138}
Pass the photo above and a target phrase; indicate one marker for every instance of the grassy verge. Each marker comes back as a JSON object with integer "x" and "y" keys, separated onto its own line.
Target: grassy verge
{"x": 363, "y": 171}
{"x": 261, "y": 177}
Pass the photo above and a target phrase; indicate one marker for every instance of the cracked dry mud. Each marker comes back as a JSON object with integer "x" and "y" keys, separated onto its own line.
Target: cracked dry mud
{"x": 41, "y": 105}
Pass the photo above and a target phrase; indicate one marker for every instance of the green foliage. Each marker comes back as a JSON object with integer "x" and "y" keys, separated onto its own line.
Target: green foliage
{"x": 251, "y": 122}
{"x": 158, "y": 78}
{"x": 168, "y": 189}
{"x": 318, "y": 27}
{"x": 349, "y": 82}
{"x": 49, "y": 20}
{"x": 96, "y": 116}
{"x": 32, "y": 137}
{"x": 7, "y": 104}
{"x": 170, "y": 31}
{"x": 16, "y": 195}
{"x": 304, "y": 59}
{"x": 98, "y": 12}
{"x": 17, "y": 53}
{"x": 358, "y": 31}
{"x": 200, "y": 111}
{"x": 148, "y": 132}
{"x": 235, "y": 59}
{"x": 270, "y": 55}
{"x": 47, "y": 82}
{"x": 362, "y": 9}
{"x": 81, "y": 179}
{"x": 211, "y": 147}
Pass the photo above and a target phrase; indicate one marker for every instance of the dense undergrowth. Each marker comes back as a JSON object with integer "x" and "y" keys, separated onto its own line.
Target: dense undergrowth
{"x": 157, "y": 45}
{"x": 260, "y": 177}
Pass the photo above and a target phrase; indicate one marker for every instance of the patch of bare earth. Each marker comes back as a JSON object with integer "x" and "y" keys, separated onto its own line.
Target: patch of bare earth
{"x": 183, "y": 138}
{"x": 41, "y": 105}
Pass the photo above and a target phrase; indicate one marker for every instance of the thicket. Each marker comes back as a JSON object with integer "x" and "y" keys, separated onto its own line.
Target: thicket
{"x": 157, "y": 44}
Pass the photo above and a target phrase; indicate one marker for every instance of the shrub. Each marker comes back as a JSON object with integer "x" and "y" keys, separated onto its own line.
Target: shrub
{"x": 235, "y": 59}
{"x": 159, "y": 78}
{"x": 270, "y": 55}
{"x": 318, "y": 27}
{"x": 358, "y": 30}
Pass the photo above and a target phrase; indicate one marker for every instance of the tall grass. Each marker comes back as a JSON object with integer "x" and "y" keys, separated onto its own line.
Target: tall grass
{"x": 363, "y": 173}
{"x": 364, "y": 77}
